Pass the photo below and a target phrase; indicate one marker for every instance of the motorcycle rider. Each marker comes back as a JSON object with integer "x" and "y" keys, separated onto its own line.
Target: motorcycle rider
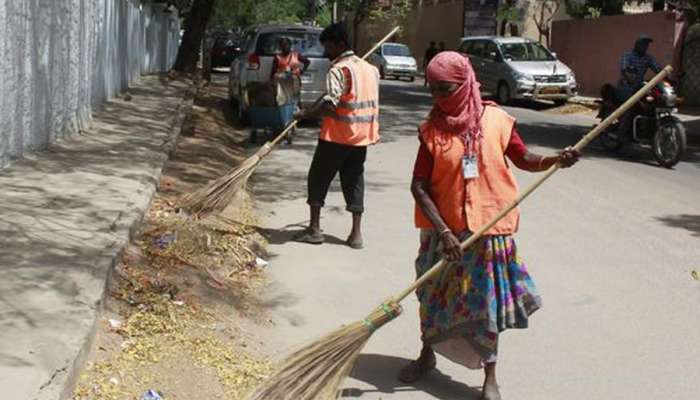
{"x": 633, "y": 68}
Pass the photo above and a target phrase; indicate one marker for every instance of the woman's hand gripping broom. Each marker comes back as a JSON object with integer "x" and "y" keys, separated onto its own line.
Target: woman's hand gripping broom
{"x": 317, "y": 371}
{"x": 217, "y": 195}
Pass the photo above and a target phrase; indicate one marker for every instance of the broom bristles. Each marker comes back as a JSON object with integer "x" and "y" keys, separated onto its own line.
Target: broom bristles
{"x": 217, "y": 195}
{"x": 317, "y": 371}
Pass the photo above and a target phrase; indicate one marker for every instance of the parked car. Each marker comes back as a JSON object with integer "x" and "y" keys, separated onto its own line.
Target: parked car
{"x": 518, "y": 68}
{"x": 254, "y": 64}
{"x": 395, "y": 59}
{"x": 224, "y": 51}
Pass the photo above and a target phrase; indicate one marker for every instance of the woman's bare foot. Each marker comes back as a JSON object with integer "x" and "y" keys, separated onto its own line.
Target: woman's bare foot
{"x": 490, "y": 390}
{"x": 416, "y": 369}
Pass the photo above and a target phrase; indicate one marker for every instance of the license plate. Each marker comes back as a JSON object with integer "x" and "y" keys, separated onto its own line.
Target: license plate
{"x": 550, "y": 90}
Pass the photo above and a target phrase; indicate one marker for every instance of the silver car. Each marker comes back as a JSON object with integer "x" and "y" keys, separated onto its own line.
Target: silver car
{"x": 395, "y": 59}
{"x": 518, "y": 68}
{"x": 254, "y": 64}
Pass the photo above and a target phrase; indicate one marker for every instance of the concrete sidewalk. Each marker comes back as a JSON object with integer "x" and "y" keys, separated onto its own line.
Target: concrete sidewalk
{"x": 64, "y": 216}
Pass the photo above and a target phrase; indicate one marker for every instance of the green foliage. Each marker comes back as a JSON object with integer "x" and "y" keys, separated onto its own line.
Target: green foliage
{"x": 508, "y": 13}
{"x": 230, "y": 14}
{"x": 396, "y": 12}
{"x": 595, "y": 8}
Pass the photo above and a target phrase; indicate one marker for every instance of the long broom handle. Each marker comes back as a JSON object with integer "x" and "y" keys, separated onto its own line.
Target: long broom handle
{"x": 294, "y": 123}
{"x": 554, "y": 168}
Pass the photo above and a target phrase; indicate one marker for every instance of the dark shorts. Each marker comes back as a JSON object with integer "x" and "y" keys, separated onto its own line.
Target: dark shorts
{"x": 331, "y": 158}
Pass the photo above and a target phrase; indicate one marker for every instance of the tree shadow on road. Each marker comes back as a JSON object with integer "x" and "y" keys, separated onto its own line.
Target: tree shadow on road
{"x": 689, "y": 222}
{"x": 379, "y": 371}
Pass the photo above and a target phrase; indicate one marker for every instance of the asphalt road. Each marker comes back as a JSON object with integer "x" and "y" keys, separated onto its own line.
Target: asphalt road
{"x": 611, "y": 244}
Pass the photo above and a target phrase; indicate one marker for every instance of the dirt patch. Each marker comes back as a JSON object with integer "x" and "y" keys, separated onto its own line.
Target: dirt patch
{"x": 575, "y": 108}
{"x": 174, "y": 317}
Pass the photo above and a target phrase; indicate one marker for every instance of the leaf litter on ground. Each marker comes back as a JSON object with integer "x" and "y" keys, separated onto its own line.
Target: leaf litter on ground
{"x": 159, "y": 324}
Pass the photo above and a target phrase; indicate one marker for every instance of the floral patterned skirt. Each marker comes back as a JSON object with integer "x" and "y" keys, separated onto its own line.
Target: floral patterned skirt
{"x": 464, "y": 308}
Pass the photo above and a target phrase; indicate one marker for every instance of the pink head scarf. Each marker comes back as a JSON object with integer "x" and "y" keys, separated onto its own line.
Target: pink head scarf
{"x": 460, "y": 113}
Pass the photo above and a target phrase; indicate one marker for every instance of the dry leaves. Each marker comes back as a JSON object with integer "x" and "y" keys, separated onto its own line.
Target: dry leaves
{"x": 159, "y": 326}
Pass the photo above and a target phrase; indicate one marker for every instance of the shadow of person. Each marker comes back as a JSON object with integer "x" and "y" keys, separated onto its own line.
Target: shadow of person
{"x": 379, "y": 371}
{"x": 285, "y": 235}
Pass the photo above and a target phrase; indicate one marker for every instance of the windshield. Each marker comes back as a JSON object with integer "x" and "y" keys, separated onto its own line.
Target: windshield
{"x": 306, "y": 43}
{"x": 529, "y": 51}
{"x": 396, "y": 50}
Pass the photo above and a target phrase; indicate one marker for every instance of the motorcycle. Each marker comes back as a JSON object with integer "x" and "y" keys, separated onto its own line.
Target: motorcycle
{"x": 653, "y": 125}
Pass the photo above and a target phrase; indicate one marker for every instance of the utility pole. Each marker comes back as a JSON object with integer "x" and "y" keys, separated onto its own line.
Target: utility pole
{"x": 335, "y": 12}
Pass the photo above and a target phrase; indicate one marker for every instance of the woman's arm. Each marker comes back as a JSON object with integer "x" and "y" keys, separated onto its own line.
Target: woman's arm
{"x": 526, "y": 160}
{"x": 420, "y": 188}
{"x": 305, "y": 62}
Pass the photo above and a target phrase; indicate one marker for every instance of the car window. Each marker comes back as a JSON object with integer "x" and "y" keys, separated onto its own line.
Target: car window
{"x": 224, "y": 42}
{"x": 527, "y": 51}
{"x": 491, "y": 51}
{"x": 465, "y": 47}
{"x": 396, "y": 50}
{"x": 306, "y": 43}
{"x": 477, "y": 49}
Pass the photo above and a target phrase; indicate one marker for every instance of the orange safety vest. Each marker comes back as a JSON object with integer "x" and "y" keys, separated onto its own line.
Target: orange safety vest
{"x": 290, "y": 62}
{"x": 472, "y": 203}
{"x": 356, "y": 118}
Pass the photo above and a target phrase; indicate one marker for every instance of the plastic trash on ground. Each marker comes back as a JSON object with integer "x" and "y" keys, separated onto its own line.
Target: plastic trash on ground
{"x": 152, "y": 395}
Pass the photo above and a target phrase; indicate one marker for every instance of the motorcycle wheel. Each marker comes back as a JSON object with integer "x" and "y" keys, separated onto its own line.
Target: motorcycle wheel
{"x": 670, "y": 142}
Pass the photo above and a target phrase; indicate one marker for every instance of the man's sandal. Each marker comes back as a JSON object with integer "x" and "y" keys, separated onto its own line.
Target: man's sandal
{"x": 310, "y": 237}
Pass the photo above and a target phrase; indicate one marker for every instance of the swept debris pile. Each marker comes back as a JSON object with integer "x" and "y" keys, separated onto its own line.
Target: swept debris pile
{"x": 164, "y": 325}
{"x": 174, "y": 319}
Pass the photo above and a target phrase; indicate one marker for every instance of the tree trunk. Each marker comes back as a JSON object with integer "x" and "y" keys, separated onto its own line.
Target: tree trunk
{"x": 312, "y": 9}
{"x": 195, "y": 25}
{"x": 514, "y": 31}
{"x": 659, "y": 5}
{"x": 361, "y": 14}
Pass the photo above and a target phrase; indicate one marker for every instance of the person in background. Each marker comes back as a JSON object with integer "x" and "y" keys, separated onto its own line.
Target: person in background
{"x": 442, "y": 47}
{"x": 288, "y": 61}
{"x": 431, "y": 52}
{"x": 350, "y": 112}
{"x": 461, "y": 180}
{"x": 634, "y": 66}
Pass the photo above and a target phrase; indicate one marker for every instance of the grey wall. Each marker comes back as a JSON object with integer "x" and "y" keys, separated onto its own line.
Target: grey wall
{"x": 60, "y": 59}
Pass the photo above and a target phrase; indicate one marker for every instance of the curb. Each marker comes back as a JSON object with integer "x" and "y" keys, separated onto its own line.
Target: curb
{"x": 111, "y": 255}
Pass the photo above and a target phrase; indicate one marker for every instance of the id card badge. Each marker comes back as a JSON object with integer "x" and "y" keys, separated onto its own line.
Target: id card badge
{"x": 470, "y": 167}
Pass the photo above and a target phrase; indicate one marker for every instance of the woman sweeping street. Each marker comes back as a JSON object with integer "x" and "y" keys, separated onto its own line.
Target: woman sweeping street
{"x": 462, "y": 180}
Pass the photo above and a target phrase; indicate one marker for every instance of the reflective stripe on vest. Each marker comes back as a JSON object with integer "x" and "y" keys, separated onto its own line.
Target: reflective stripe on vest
{"x": 356, "y": 118}
{"x": 357, "y": 105}
{"x": 468, "y": 204}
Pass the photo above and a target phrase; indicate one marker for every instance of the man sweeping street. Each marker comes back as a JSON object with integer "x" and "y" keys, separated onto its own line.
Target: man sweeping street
{"x": 350, "y": 112}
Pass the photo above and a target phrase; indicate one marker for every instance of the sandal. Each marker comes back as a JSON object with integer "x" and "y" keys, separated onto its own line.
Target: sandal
{"x": 357, "y": 244}
{"x": 307, "y": 236}
{"x": 414, "y": 371}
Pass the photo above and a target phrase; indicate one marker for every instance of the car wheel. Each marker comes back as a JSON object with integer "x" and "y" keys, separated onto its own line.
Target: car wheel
{"x": 560, "y": 102}
{"x": 412, "y": 79}
{"x": 240, "y": 112}
{"x": 503, "y": 93}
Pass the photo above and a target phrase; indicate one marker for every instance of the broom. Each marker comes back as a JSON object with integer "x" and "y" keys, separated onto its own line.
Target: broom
{"x": 219, "y": 194}
{"x": 316, "y": 372}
